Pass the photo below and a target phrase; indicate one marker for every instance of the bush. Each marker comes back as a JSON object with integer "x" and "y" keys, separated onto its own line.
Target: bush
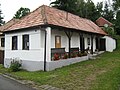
{"x": 84, "y": 53}
{"x": 79, "y": 54}
{"x": 56, "y": 56}
{"x": 74, "y": 54}
{"x": 65, "y": 56}
{"x": 15, "y": 65}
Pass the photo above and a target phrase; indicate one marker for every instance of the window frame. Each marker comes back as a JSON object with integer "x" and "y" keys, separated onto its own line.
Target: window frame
{"x": 25, "y": 43}
{"x": 15, "y": 42}
{"x": 2, "y": 42}
{"x": 88, "y": 40}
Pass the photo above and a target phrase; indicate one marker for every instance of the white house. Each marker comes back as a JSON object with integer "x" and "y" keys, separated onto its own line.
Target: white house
{"x": 37, "y": 37}
{"x": 110, "y": 43}
{"x": 2, "y": 38}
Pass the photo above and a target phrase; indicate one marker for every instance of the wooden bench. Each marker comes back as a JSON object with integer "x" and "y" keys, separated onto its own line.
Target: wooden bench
{"x": 74, "y": 49}
{"x": 57, "y": 50}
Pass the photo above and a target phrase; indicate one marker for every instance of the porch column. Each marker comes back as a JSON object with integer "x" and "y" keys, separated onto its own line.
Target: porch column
{"x": 69, "y": 35}
{"x": 81, "y": 42}
{"x": 48, "y": 44}
{"x": 98, "y": 43}
{"x": 91, "y": 44}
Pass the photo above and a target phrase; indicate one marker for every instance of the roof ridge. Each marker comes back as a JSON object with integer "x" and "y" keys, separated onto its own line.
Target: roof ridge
{"x": 65, "y": 12}
{"x": 43, "y": 13}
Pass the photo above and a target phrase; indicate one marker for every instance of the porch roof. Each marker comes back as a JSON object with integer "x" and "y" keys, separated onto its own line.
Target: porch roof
{"x": 45, "y": 15}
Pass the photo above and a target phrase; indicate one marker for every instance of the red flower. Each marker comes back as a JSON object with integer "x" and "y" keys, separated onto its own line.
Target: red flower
{"x": 56, "y": 56}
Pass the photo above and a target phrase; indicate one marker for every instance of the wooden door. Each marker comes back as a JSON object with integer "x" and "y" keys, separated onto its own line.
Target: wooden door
{"x": 1, "y": 57}
{"x": 97, "y": 43}
{"x": 57, "y": 41}
{"x": 82, "y": 43}
{"x": 102, "y": 45}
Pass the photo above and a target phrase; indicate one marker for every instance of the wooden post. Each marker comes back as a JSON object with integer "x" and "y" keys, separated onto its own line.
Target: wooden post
{"x": 91, "y": 44}
{"x": 69, "y": 35}
{"x": 81, "y": 42}
{"x": 98, "y": 43}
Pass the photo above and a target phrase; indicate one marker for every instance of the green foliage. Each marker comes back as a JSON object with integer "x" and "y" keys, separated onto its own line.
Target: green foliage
{"x": 65, "y": 56}
{"x": 1, "y": 18}
{"x": 22, "y": 12}
{"x": 91, "y": 10}
{"x": 108, "y": 13}
{"x": 117, "y": 22}
{"x": 109, "y": 30}
{"x": 15, "y": 65}
{"x": 67, "y": 5}
{"x": 116, "y": 4}
{"x": 82, "y": 8}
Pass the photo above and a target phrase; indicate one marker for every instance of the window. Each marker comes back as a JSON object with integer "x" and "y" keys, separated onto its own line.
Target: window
{"x": 2, "y": 42}
{"x": 88, "y": 41}
{"x": 14, "y": 43}
{"x": 26, "y": 42}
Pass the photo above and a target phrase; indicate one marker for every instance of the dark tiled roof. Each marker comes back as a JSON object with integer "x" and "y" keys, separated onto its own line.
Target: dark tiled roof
{"x": 102, "y": 21}
{"x": 51, "y": 16}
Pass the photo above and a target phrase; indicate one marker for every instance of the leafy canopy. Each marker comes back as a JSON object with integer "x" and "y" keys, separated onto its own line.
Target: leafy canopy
{"x": 21, "y": 12}
{"x": 1, "y": 18}
{"x": 82, "y": 8}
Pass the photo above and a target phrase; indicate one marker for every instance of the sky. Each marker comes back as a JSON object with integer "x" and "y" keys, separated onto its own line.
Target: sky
{"x": 9, "y": 7}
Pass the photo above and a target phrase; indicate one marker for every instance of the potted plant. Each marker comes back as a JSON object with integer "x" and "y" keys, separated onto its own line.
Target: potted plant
{"x": 56, "y": 56}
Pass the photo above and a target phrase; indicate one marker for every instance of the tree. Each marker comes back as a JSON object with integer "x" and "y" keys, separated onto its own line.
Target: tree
{"x": 116, "y": 4}
{"x": 109, "y": 30}
{"x": 1, "y": 18}
{"x": 66, "y": 5}
{"x": 91, "y": 10}
{"x": 99, "y": 8}
{"x": 117, "y": 22}
{"x": 82, "y": 8}
{"x": 21, "y": 12}
{"x": 80, "y": 11}
{"x": 108, "y": 13}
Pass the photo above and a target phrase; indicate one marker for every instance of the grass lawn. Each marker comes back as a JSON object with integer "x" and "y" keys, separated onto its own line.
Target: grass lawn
{"x": 100, "y": 74}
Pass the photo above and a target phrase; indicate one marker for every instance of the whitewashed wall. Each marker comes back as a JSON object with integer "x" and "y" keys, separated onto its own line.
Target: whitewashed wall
{"x": 1, "y": 48}
{"x": 64, "y": 39}
{"x": 35, "y": 52}
{"x": 110, "y": 43}
{"x": 75, "y": 40}
{"x": 32, "y": 59}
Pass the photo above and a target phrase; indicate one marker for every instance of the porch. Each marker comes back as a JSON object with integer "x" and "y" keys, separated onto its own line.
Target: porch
{"x": 59, "y": 61}
{"x": 67, "y": 44}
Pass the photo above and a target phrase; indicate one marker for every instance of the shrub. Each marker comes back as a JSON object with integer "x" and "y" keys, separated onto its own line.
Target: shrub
{"x": 15, "y": 65}
{"x": 65, "y": 56}
{"x": 73, "y": 54}
{"x": 56, "y": 56}
{"x": 84, "y": 53}
{"x": 79, "y": 54}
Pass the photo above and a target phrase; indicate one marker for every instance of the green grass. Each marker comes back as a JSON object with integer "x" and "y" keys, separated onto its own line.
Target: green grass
{"x": 100, "y": 74}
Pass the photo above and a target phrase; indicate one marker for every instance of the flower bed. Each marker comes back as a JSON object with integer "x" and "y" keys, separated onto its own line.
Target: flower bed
{"x": 59, "y": 56}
